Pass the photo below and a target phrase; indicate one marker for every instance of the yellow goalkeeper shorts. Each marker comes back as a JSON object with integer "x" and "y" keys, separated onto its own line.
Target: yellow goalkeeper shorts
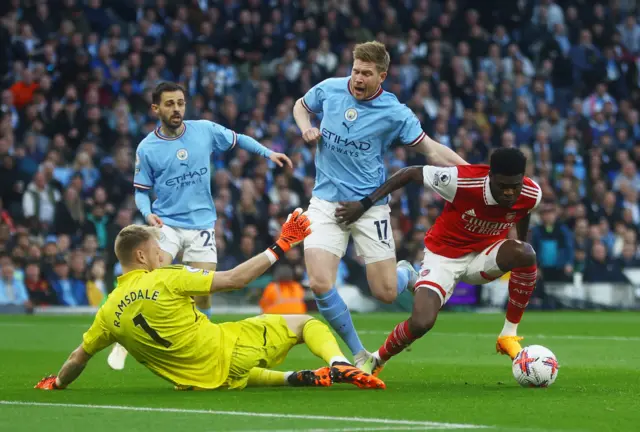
{"x": 263, "y": 341}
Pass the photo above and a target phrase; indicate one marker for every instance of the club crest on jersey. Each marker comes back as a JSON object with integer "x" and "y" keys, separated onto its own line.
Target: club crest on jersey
{"x": 351, "y": 114}
{"x": 510, "y": 216}
{"x": 425, "y": 272}
{"x": 182, "y": 154}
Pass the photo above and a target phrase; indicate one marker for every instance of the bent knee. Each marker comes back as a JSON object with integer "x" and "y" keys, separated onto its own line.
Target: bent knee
{"x": 514, "y": 254}
{"x": 387, "y": 296}
{"x": 525, "y": 254}
{"x": 421, "y": 325}
{"x": 319, "y": 284}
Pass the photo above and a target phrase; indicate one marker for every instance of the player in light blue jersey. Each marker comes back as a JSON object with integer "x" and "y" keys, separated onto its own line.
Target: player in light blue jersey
{"x": 173, "y": 162}
{"x": 359, "y": 123}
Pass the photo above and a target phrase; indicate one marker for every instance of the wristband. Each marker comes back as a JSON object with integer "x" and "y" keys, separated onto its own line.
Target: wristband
{"x": 366, "y": 203}
{"x": 276, "y": 252}
{"x": 269, "y": 254}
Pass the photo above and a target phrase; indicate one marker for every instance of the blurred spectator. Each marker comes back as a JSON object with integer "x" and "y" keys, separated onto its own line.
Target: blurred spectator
{"x": 39, "y": 202}
{"x": 600, "y": 268}
{"x": 96, "y": 289}
{"x": 12, "y": 289}
{"x": 40, "y": 292}
{"x": 284, "y": 295}
{"x": 70, "y": 292}
{"x": 69, "y": 214}
{"x": 553, "y": 244}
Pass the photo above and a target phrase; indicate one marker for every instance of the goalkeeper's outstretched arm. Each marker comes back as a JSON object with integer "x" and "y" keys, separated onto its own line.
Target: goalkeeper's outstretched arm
{"x": 294, "y": 230}
{"x": 71, "y": 369}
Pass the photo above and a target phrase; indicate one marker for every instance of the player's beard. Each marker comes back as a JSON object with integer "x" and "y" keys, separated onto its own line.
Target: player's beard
{"x": 172, "y": 122}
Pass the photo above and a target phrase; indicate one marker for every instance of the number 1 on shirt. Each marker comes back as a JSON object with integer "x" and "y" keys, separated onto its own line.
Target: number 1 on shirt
{"x": 140, "y": 321}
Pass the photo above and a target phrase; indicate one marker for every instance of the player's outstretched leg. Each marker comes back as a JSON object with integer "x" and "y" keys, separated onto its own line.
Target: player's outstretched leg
{"x": 423, "y": 317}
{"x": 321, "y": 342}
{"x": 386, "y": 289}
{"x": 259, "y": 377}
{"x": 520, "y": 259}
{"x": 322, "y": 267}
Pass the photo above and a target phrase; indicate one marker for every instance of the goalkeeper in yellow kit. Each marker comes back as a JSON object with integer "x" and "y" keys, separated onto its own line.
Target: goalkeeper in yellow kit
{"x": 152, "y": 314}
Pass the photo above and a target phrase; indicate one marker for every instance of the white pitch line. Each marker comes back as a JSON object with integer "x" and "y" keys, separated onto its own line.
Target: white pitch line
{"x": 387, "y": 428}
{"x": 539, "y": 336}
{"x": 426, "y": 424}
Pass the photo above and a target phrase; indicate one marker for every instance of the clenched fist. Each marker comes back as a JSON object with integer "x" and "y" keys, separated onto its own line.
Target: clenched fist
{"x": 311, "y": 135}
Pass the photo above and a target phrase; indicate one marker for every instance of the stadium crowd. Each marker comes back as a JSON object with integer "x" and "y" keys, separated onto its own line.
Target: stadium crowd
{"x": 559, "y": 79}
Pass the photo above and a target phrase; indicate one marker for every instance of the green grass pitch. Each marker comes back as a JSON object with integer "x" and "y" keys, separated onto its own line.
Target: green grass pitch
{"x": 451, "y": 379}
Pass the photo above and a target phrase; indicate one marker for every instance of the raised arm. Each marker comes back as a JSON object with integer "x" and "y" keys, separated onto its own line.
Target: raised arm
{"x": 410, "y": 133}
{"x": 224, "y": 139}
{"x": 438, "y": 154}
{"x": 349, "y": 212}
{"x": 252, "y": 146}
{"x": 302, "y": 116}
{"x": 311, "y": 102}
{"x": 294, "y": 231}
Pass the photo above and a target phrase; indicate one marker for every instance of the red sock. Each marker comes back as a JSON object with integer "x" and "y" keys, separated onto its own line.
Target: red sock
{"x": 521, "y": 285}
{"x": 398, "y": 340}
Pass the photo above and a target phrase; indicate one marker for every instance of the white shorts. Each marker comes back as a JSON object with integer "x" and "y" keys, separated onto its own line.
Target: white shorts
{"x": 442, "y": 274}
{"x": 198, "y": 245}
{"x": 372, "y": 233}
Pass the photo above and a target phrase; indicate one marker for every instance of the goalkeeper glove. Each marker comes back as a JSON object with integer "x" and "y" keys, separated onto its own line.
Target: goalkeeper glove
{"x": 294, "y": 231}
{"x": 48, "y": 383}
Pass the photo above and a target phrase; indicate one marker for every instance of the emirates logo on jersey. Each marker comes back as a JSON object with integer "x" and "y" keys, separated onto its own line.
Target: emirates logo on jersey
{"x": 483, "y": 227}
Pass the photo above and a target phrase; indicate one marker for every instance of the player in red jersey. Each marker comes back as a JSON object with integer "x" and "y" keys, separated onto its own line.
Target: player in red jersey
{"x": 468, "y": 242}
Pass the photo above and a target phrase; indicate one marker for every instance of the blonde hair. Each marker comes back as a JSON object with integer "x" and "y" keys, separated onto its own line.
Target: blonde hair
{"x": 373, "y": 52}
{"x": 130, "y": 238}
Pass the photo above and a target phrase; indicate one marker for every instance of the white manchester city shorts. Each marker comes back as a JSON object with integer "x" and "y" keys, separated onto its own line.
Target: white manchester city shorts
{"x": 372, "y": 233}
{"x": 197, "y": 245}
{"x": 441, "y": 274}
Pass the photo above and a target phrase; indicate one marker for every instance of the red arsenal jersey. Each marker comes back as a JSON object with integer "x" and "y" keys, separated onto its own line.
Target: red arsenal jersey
{"x": 472, "y": 220}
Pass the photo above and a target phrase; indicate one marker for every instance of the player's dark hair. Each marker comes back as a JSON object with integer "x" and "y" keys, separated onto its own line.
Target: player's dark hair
{"x": 166, "y": 86}
{"x": 508, "y": 162}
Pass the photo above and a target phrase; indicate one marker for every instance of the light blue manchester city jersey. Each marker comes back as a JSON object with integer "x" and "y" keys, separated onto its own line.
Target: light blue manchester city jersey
{"x": 178, "y": 170}
{"x": 355, "y": 136}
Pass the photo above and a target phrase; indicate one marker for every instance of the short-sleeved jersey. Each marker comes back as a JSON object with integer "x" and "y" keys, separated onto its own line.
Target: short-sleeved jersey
{"x": 472, "y": 220}
{"x": 355, "y": 136}
{"x": 153, "y": 316}
{"x": 178, "y": 169}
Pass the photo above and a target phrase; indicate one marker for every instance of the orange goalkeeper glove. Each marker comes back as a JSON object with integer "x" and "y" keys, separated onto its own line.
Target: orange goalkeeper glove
{"x": 48, "y": 383}
{"x": 294, "y": 231}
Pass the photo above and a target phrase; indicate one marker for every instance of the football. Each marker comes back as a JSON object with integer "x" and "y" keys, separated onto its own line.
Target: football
{"x": 535, "y": 366}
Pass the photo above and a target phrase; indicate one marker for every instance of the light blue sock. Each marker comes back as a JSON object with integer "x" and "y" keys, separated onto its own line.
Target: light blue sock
{"x": 403, "y": 279}
{"x": 335, "y": 311}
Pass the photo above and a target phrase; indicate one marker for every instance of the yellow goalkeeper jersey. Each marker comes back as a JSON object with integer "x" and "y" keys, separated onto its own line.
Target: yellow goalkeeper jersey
{"x": 153, "y": 315}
